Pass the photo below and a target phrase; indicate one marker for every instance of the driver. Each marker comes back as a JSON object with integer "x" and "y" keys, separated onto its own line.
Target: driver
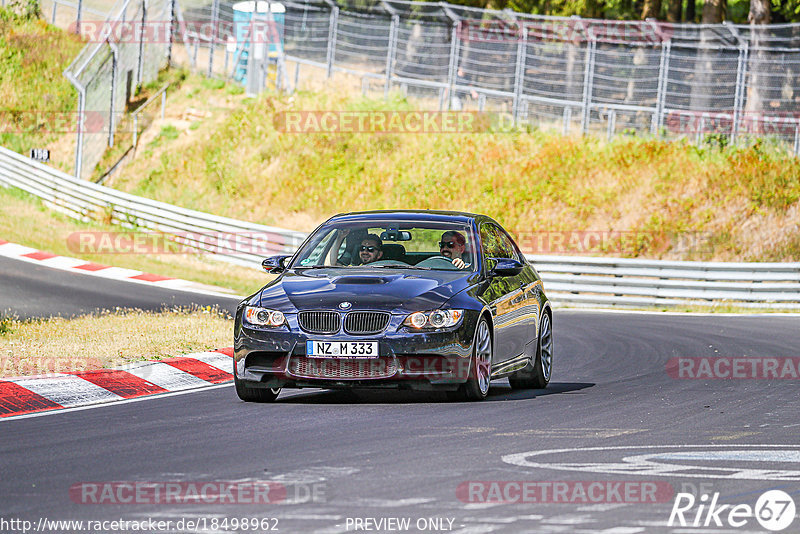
{"x": 370, "y": 249}
{"x": 452, "y": 246}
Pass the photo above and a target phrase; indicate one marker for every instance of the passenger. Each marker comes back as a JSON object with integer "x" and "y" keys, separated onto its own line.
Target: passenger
{"x": 370, "y": 249}
{"x": 453, "y": 246}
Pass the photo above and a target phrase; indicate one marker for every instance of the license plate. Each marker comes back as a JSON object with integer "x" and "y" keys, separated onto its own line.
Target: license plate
{"x": 342, "y": 349}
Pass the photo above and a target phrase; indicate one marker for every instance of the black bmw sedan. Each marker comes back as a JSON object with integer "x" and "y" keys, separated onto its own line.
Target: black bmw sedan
{"x": 424, "y": 300}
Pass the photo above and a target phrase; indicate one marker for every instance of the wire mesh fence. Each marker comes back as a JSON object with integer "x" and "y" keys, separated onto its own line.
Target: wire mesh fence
{"x": 126, "y": 48}
{"x": 725, "y": 82}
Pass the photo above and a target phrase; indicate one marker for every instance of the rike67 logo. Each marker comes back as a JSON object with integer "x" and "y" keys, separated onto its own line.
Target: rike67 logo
{"x": 774, "y": 510}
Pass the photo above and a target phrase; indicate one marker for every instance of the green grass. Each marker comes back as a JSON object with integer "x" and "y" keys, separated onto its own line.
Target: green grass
{"x": 33, "y": 56}
{"x": 243, "y": 167}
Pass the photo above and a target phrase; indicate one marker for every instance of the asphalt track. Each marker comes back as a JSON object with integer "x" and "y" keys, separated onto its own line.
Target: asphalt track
{"x": 31, "y": 290}
{"x": 343, "y": 457}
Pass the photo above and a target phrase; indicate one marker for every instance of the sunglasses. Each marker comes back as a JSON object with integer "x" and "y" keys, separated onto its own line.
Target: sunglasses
{"x": 447, "y": 244}
{"x": 362, "y": 248}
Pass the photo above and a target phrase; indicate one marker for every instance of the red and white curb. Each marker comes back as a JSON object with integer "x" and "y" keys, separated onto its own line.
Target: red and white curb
{"x": 75, "y": 265}
{"x": 31, "y": 394}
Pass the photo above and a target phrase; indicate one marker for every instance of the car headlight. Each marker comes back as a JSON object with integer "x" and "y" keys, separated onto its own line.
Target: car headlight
{"x": 263, "y": 316}
{"x": 434, "y": 319}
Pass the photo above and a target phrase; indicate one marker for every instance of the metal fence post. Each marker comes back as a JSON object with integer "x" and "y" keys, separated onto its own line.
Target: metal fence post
{"x": 738, "y": 99}
{"x": 114, "y": 75}
{"x": 519, "y": 72}
{"x": 332, "y": 29}
{"x": 612, "y": 125}
{"x": 171, "y": 32}
{"x": 78, "y": 17}
{"x": 392, "y": 48}
{"x": 588, "y": 80}
{"x": 140, "y": 63}
{"x": 81, "y": 120}
{"x": 214, "y": 24}
{"x": 53, "y": 19}
{"x": 661, "y": 93}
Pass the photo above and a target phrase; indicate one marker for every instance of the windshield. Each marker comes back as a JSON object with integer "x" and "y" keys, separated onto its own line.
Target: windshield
{"x": 390, "y": 244}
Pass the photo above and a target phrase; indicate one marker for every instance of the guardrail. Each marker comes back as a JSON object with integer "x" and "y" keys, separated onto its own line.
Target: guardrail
{"x": 635, "y": 282}
{"x": 84, "y": 200}
{"x": 589, "y": 281}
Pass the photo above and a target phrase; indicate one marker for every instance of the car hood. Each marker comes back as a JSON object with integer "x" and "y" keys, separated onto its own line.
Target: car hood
{"x": 365, "y": 289}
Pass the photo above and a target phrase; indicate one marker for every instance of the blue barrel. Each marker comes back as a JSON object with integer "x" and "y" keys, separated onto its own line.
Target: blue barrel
{"x": 242, "y": 15}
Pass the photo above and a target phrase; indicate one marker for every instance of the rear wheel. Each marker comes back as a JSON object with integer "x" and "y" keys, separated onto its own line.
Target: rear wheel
{"x": 249, "y": 394}
{"x": 480, "y": 373}
{"x": 536, "y": 375}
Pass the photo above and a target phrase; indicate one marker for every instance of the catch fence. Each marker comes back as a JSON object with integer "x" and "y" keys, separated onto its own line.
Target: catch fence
{"x": 722, "y": 83}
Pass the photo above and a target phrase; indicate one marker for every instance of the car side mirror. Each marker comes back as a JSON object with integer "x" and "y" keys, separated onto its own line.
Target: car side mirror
{"x": 274, "y": 264}
{"x": 505, "y": 267}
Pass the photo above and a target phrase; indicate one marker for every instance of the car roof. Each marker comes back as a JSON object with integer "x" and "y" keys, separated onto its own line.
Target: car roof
{"x": 409, "y": 215}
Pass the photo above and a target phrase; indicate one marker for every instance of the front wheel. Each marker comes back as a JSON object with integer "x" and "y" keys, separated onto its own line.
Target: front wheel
{"x": 536, "y": 375}
{"x": 249, "y": 394}
{"x": 480, "y": 372}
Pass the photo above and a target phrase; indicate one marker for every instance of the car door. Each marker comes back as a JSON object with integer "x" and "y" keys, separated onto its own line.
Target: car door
{"x": 505, "y": 296}
{"x": 527, "y": 312}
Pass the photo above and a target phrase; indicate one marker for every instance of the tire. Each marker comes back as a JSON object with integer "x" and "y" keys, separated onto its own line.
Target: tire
{"x": 536, "y": 375}
{"x": 480, "y": 373}
{"x": 249, "y": 394}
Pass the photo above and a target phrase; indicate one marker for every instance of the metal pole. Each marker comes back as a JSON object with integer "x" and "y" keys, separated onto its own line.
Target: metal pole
{"x": 81, "y": 119}
{"x": 53, "y": 21}
{"x": 78, "y": 17}
{"x": 214, "y": 23}
{"x": 390, "y": 55}
{"x": 738, "y": 99}
{"x": 171, "y": 33}
{"x": 661, "y": 94}
{"x": 567, "y": 119}
{"x": 612, "y": 124}
{"x": 140, "y": 65}
{"x": 796, "y": 147}
{"x": 332, "y": 27}
{"x": 588, "y": 80}
{"x": 163, "y": 103}
{"x": 452, "y": 69}
{"x": 701, "y": 125}
{"x": 519, "y": 73}
{"x": 114, "y": 74}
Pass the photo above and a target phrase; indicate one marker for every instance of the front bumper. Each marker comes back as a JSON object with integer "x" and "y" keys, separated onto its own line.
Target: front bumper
{"x": 419, "y": 360}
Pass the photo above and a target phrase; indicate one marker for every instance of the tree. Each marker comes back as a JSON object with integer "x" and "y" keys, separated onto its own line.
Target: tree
{"x": 674, "y": 10}
{"x": 651, "y": 9}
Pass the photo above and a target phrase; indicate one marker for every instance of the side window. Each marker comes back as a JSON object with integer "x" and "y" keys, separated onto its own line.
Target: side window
{"x": 490, "y": 241}
{"x": 507, "y": 245}
{"x": 496, "y": 243}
